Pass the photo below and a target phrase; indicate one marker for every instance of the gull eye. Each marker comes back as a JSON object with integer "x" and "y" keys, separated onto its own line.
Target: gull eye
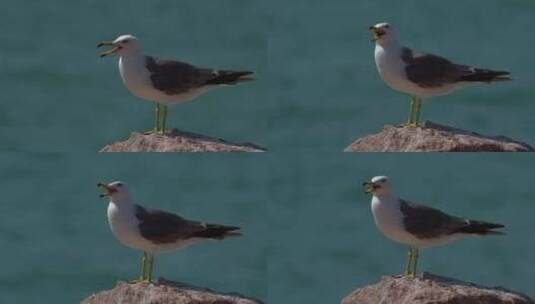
{"x": 119, "y": 185}
{"x": 387, "y": 26}
{"x": 125, "y": 41}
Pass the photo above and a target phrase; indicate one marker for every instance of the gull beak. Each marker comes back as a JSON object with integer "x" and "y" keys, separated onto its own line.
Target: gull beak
{"x": 369, "y": 187}
{"x": 110, "y": 51}
{"x": 377, "y": 33}
{"x": 107, "y": 189}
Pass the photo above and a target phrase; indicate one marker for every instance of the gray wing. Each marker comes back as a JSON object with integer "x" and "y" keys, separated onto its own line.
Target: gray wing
{"x": 175, "y": 77}
{"x": 430, "y": 71}
{"x": 163, "y": 227}
{"x": 426, "y": 222}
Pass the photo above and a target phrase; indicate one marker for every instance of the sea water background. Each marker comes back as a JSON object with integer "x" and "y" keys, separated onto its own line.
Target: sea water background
{"x": 309, "y": 233}
{"x": 325, "y": 243}
{"x": 57, "y": 246}
{"x": 63, "y": 97}
{"x": 317, "y": 88}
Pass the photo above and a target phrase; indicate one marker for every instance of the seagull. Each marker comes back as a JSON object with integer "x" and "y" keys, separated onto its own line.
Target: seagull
{"x": 418, "y": 226}
{"x": 154, "y": 231}
{"x": 422, "y": 75}
{"x": 165, "y": 82}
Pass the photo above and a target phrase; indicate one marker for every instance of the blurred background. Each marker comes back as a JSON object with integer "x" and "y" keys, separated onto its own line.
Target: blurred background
{"x": 61, "y": 96}
{"x": 317, "y": 87}
{"x": 324, "y": 243}
{"x": 57, "y": 246}
{"x": 317, "y": 91}
{"x": 325, "y": 83}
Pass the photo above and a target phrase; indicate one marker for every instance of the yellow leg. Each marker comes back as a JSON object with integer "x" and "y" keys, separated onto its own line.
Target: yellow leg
{"x": 150, "y": 266}
{"x": 411, "y": 112}
{"x": 409, "y": 263}
{"x": 414, "y": 115}
{"x": 143, "y": 277}
{"x": 415, "y": 256}
{"x": 157, "y": 118}
{"x": 164, "y": 119}
{"x": 412, "y": 262}
{"x": 418, "y": 108}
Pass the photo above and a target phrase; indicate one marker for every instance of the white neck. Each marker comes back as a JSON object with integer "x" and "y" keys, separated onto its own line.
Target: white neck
{"x": 134, "y": 53}
{"x": 391, "y": 43}
{"x": 122, "y": 202}
{"x": 387, "y": 196}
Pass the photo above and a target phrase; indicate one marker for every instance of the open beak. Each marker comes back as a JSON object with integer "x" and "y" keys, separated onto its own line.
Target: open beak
{"x": 111, "y": 51}
{"x": 369, "y": 187}
{"x": 107, "y": 189}
{"x": 377, "y": 33}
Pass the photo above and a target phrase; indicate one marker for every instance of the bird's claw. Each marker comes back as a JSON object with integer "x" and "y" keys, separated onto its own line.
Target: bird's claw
{"x": 409, "y": 275}
{"x": 140, "y": 280}
{"x": 154, "y": 131}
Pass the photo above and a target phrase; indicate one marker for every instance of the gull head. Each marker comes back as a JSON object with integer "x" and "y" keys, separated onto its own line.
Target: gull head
{"x": 378, "y": 186}
{"x": 383, "y": 33}
{"x": 116, "y": 191}
{"x": 123, "y": 45}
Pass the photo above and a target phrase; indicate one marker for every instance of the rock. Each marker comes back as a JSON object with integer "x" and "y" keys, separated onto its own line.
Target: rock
{"x": 432, "y": 137}
{"x": 178, "y": 141}
{"x": 165, "y": 292}
{"x": 432, "y": 289}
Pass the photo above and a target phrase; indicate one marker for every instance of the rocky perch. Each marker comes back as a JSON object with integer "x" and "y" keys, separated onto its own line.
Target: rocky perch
{"x": 432, "y": 137}
{"x": 165, "y": 292}
{"x": 178, "y": 141}
{"x": 432, "y": 289}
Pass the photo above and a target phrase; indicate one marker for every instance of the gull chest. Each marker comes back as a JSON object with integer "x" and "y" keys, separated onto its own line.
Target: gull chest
{"x": 389, "y": 219}
{"x": 391, "y": 68}
{"x": 123, "y": 225}
{"x": 136, "y": 77}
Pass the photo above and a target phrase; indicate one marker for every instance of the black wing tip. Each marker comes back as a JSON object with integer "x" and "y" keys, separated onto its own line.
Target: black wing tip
{"x": 484, "y": 224}
{"x": 489, "y": 232}
{"x": 214, "y": 231}
{"x": 230, "y": 77}
{"x": 232, "y": 230}
{"x": 502, "y": 76}
{"x": 246, "y": 76}
{"x": 487, "y": 76}
{"x": 483, "y": 228}
{"x": 234, "y": 73}
{"x": 243, "y": 75}
{"x": 233, "y": 233}
{"x": 499, "y": 226}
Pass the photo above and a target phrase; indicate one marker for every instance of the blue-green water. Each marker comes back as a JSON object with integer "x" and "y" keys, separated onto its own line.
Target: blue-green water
{"x": 57, "y": 246}
{"x": 317, "y": 87}
{"x": 324, "y": 80}
{"x": 63, "y": 97}
{"x": 309, "y": 235}
{"x": 306, "y": 222}
{"x": 325, "y": 244}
